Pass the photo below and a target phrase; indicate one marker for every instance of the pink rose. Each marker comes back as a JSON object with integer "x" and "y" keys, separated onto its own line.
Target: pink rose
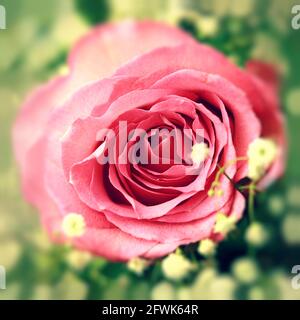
{"x": 151, "y": 76}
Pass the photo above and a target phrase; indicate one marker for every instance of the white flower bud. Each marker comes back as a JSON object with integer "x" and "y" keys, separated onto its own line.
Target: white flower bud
{"x": 207, "y": 247}
{"x": 137, "y": 265}
{"x": 176, "y": 266}
{"x": 73, "y": 225}
{"x": 200, "y": 152}
{"x": 224, "y": 224}
{"x": 261, "y": 154}
{"x": 257, "y": 235}
{"x": 163, "y": 291}
{"x": 245, "y": 270}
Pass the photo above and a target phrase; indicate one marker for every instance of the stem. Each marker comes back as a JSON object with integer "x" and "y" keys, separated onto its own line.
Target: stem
{"x": 227, "y": 165}
{"x": 251, "y": 201}
{"x": 247, "y": 187}
{"x": 222, "y": 170}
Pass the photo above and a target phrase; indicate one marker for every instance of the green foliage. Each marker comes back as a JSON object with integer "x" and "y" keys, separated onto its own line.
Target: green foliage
{"x": 94, "y": 11}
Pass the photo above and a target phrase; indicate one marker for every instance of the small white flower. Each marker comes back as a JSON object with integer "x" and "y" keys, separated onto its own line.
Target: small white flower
{"x": 176, "y": 266}
{"x": 245, "y": 270}
{"x": 78, "y": 259}
{"x": 292, "y": 102}
{"x": 184, "y": 293}
{"x": 63, "y": 70}
{"x": 42, "y": 292}
{"x": 207, "y": 247}
{"x": 202, "y": 283}
{"x": 290, "y": 228}
{"x": 163, "y": 291}
{"x": 222, "y": 287}
{"x": 73, "y": 225}
{"x": 261, "y": 154}
{"x": 255, "y": 171}
{"x": 224, "y": 224}
{"x": 200, "y": 152}
{"x": 204, "y": 278}
{"x": 138, "y": 265}
{"x": 282, "y": 283}
{"x": 257, "y": 235}
{"x": 208, "y": 25}
{"x": 293, "y": 196}
{"x": 276, "y": 205}
{"x": 10, "y": 252}
{"x": 70, "y": 287}
{"x": 240, "y": 9}
{"x": 256, "y": 293}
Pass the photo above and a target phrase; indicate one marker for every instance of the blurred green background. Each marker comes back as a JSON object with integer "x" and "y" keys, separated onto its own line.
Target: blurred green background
{"x": 33, "y": 48}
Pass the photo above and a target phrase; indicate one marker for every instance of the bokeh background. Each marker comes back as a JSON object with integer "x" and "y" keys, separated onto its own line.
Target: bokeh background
{"x": 34, "y": 47}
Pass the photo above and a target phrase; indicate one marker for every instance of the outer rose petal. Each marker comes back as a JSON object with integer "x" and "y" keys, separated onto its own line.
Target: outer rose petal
{"x": 114, "y": 244}
{"x": 109, "y": 46}
{"x": 265, "y": 72}
{"x": 164, "y": 232}
{"x": 102, "y": 238}
{"x": 184, "y": 232}
{"x": 266, "y": 80}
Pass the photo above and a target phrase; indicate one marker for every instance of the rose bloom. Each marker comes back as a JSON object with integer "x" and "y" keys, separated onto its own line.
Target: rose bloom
{"x": 152, "y": 76}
